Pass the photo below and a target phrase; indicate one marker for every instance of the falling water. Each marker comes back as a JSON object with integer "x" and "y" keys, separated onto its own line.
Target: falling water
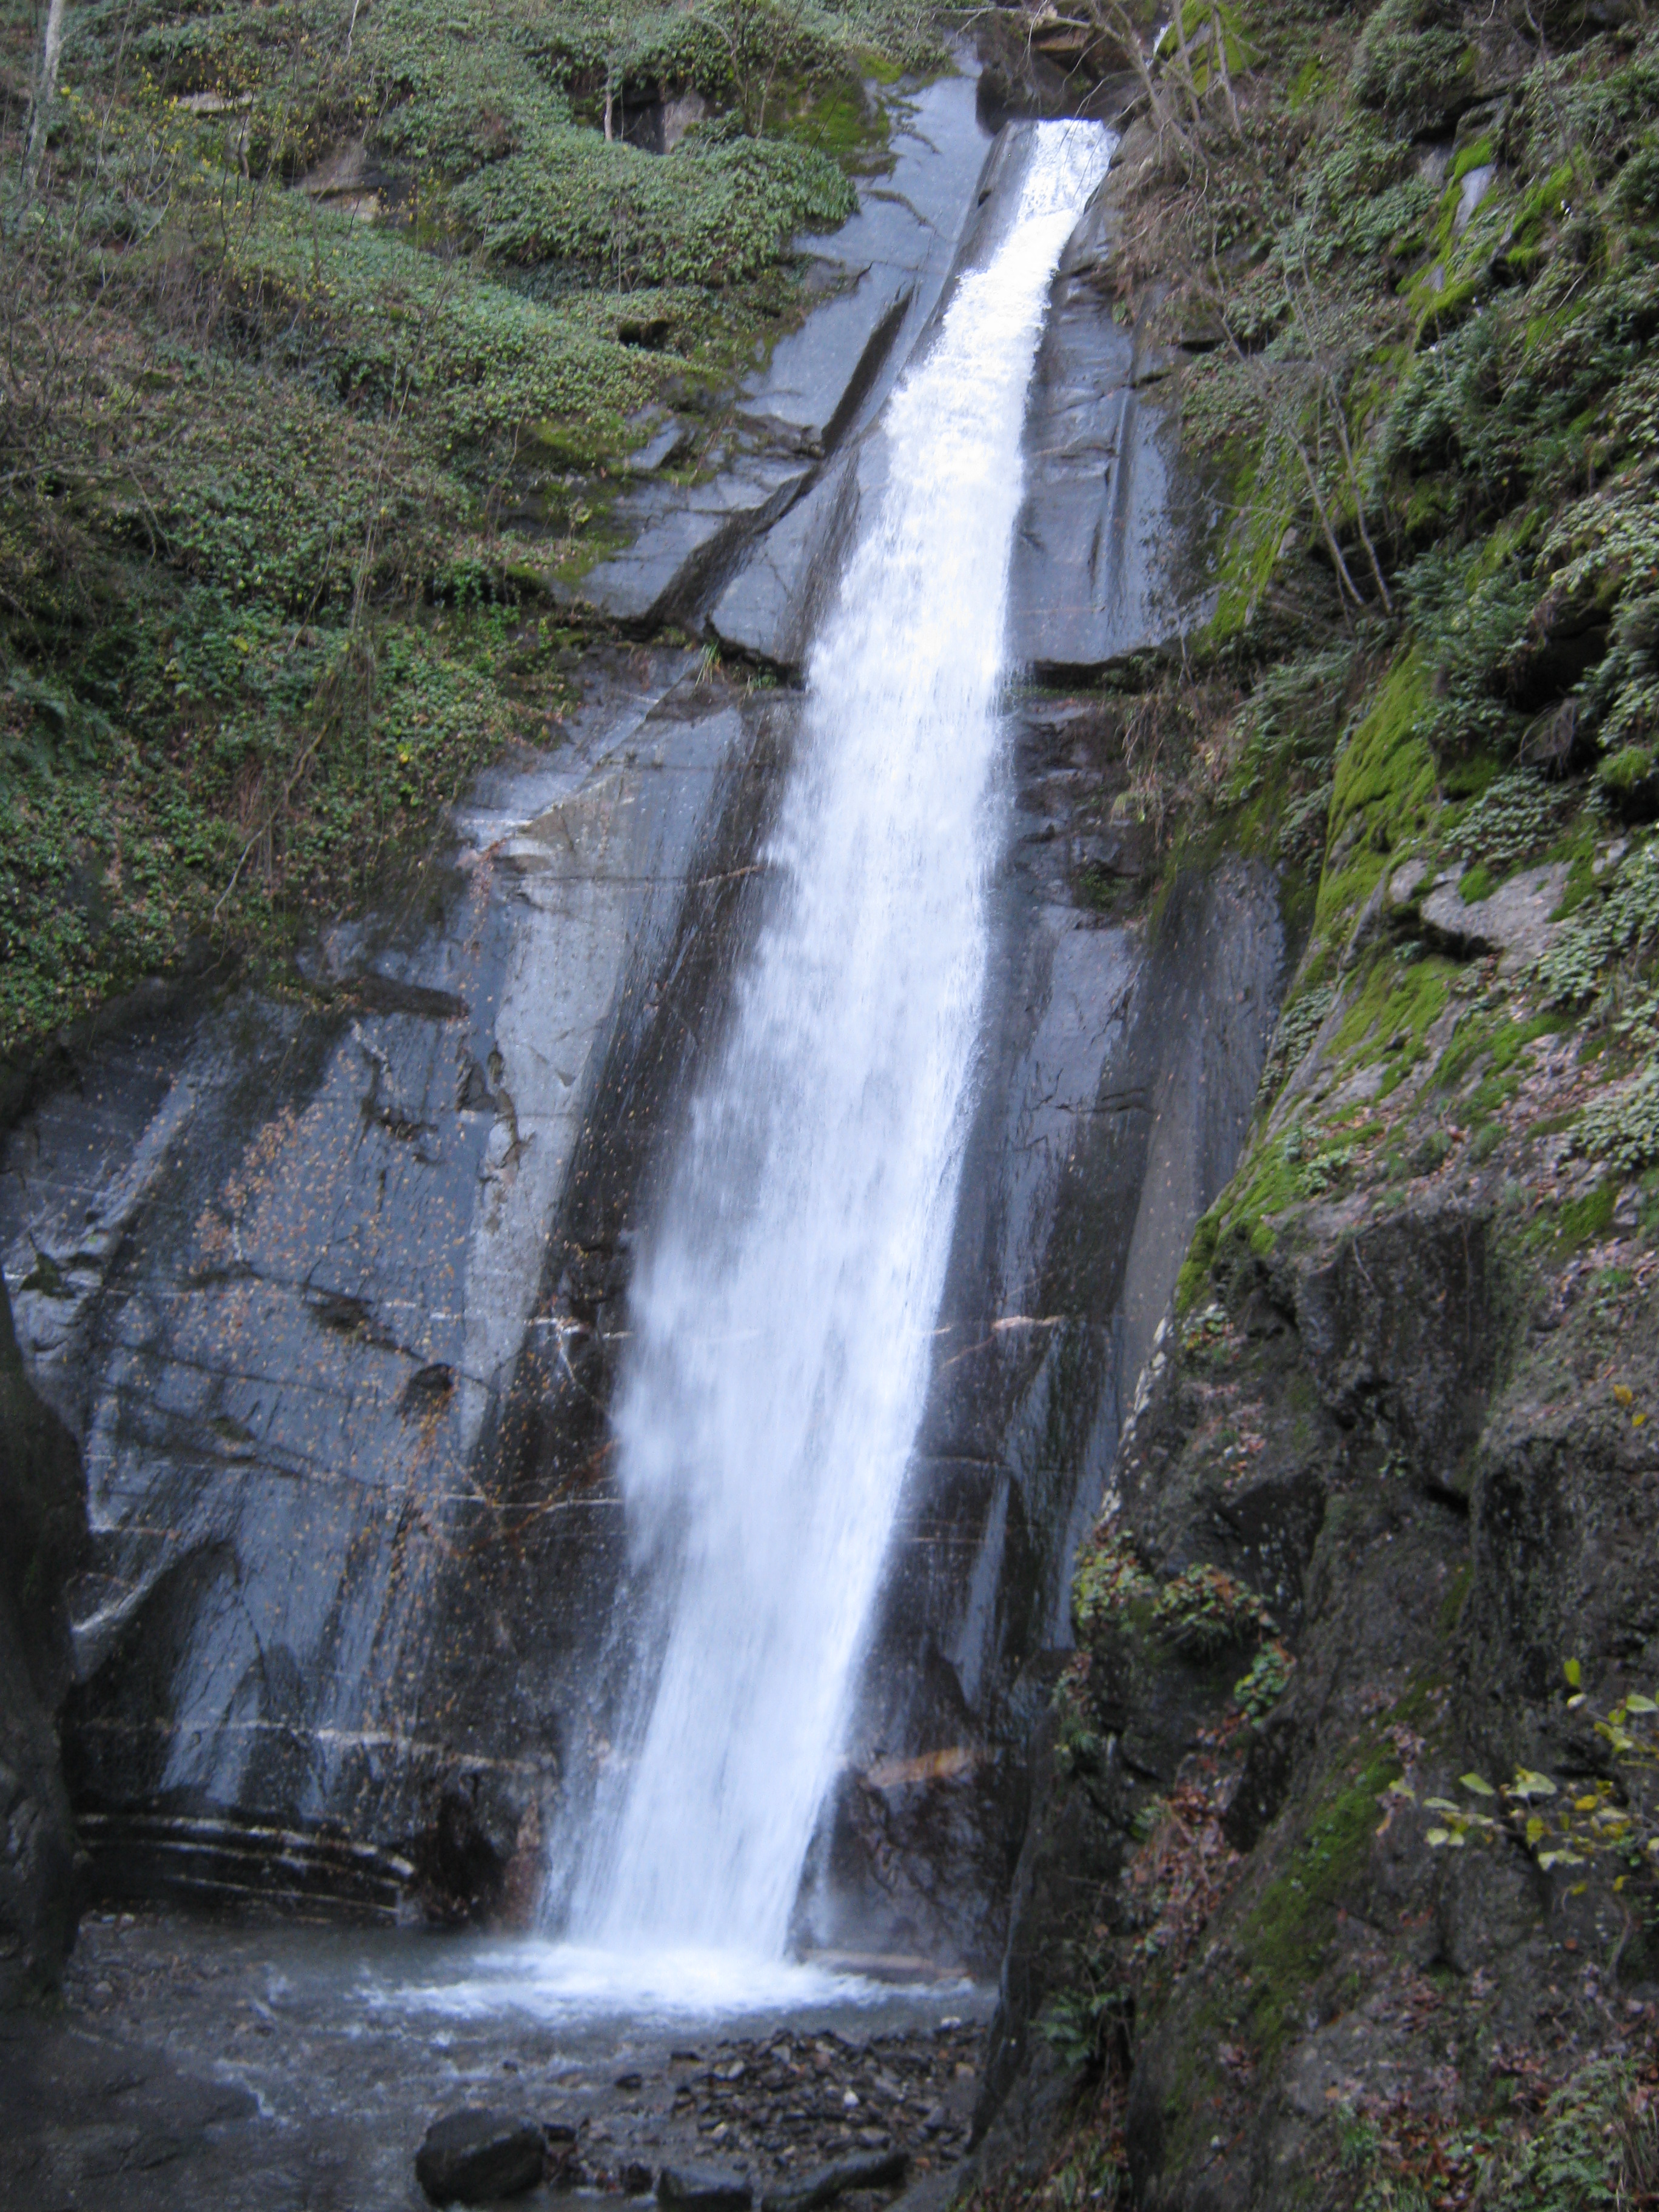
{"x": 783, "y": 1319}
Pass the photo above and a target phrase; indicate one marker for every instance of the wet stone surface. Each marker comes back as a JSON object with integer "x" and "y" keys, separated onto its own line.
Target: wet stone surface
{"x": 201, "y": 2064}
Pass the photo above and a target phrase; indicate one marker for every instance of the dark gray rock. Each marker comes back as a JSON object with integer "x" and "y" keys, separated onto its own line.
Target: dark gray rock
{"x": 1112, "y": 551}
{"x": 1109, "y": 554}
{"x": 43, "y": 1515}
{"x": 685, "y": 539}
{"x": 87, "y": 2120}
{"x": 666, "y": 444}
{"x": 879, "y": 2171}
{"x": 475, "y": 2157}
{"x": 703, "y": 2189}
{"x": 770, "y": 608}
{"x": 881, "y": 275}
{"x": 894, "y": 258}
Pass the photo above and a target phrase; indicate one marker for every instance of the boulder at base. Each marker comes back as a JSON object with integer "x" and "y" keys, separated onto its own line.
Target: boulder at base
{"x": 696, "y": 2189}
{"x": 878, "y": 2171}
{"x": 473, "y": 2157}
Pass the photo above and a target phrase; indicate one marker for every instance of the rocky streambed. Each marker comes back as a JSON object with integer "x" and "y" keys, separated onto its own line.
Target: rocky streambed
{"x": 241, "y": 2068}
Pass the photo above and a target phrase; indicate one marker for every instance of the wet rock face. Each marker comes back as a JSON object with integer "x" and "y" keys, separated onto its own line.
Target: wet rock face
{"x": 740, "y": 553}
{"x": 294, "y": 1274}
{"x": 43, "y": 1514}
{"x": 1111, "y": 552}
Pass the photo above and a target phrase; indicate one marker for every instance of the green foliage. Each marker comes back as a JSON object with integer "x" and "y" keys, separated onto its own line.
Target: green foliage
{"x": 1622, "y": 1125}
{"x": 1082, "y": 2023}
{"x": 1412, "y": 60}
{"x": 256, "y": 444}
{"x": 1204, "y": 1609}
{"x": 1320, "y": 1175}
{"x": 1597, "y": 2146}
{"x": 1626, "y": 772}
{"x": 1571, "y": 1824}
{"x": 1627, "y": 921}
{"x": 1269, "y": 1677}
{"x": 699, "y": 217}
{"x": 1299, "y": 1023}
{"x": 1108, "y": 1579}
{"x": 397, "y": 331}
{"x": 1295, "y": 709}
{"x": 1469, "y": 609}
{"x": 1513, "y": 818}
{"x": 1594, "y": 2148}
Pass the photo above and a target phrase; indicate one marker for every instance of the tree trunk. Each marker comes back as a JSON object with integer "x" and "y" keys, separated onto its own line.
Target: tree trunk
{"x": 45, "y": 89}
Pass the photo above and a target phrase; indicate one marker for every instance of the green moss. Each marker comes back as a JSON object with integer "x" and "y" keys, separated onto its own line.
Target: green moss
{"x": 1475, "y": 156}
{"x": 1195, "y": 1268}
{"x": 1548, "y": 201}
{"x": 1468, "y": 775}
{"x": 1384, "y": 787}
{"x": 1495, "y": 1040}
{"x": 1394, "y": 1013}
{"x": 1310, "y": 82}
{"x": 1584, "y": 1220}
{"x": 1266, "y": 1185}
{"x": 1451, "y": 1605}
{"x": 1625, "y": 771}
{"x": 1283, "y": 1942}
{"x": 1265, "y": 499}
{"x": 838, "y": 119}
{"x": 1441, "y": 312}
{"x": 1476, "y": 882}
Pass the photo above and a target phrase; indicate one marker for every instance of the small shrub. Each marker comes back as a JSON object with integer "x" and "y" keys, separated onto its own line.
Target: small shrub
{"x": 1622, "y": 1127}
{"x": 1269, "y": 1677}
{"x": 1204, "y": 1609}
{"x": 1627, "y": 920}
{"x": 1411, "y": 61}
{"x": 1083, "y": 2023}
{"x": 1299, "y": 1025}
{"x": 1109, "y": 1577}
{"x": 1513, "y": 817}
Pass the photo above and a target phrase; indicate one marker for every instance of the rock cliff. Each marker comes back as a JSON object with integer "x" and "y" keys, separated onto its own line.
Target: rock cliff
{"x": 42, "y": 1507}
{"x": 1340, "y": 1887}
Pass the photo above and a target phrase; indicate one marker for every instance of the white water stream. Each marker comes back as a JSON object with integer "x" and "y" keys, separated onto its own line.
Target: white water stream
{"x": 783, "y": 1314}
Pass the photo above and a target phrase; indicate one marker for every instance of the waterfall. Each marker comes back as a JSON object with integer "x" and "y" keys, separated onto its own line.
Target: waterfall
{"x": 783, "y": 1313}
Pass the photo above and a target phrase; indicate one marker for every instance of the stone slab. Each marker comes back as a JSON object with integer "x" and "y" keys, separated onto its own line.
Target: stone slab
{"x": 1514, "y": 921}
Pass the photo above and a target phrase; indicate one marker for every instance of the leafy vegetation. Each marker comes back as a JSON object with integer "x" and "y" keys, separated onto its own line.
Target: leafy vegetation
{"x": 328, "y": 331}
